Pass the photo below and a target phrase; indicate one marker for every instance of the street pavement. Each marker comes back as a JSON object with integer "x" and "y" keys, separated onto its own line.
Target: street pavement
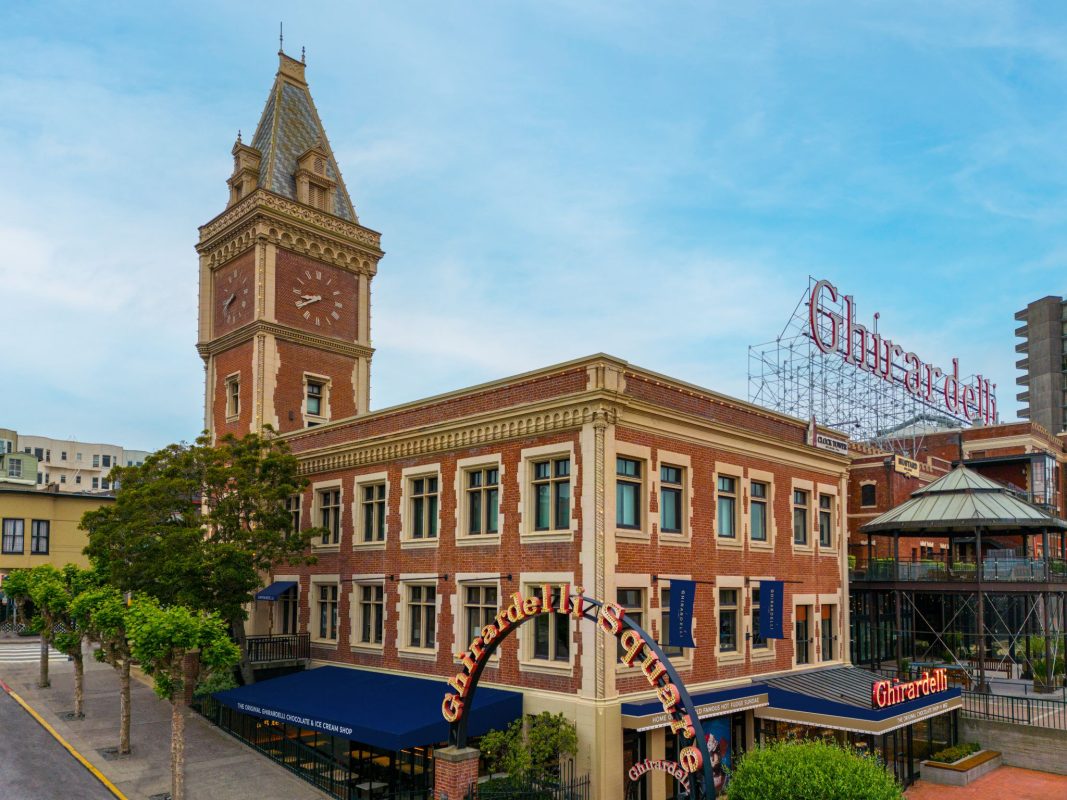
{"x": 34, "y": 766}
{"x": 218, "y": 766}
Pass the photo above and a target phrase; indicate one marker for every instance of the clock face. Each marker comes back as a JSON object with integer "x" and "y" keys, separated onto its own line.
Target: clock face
{"x": 318, "y": 298}
{"x": 235, "y": 297}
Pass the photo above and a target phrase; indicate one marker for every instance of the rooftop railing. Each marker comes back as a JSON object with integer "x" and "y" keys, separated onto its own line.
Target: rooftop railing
{"x": 993, "y": 570}
{"x": 283, "y": 647}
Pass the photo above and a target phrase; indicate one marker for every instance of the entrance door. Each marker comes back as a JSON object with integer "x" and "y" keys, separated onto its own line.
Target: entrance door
{"x": 633, "y": 752}
{"x": 287, "y": 604}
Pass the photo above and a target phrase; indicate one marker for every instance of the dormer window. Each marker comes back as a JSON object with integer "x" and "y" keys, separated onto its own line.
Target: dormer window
{"x": 245, "y": 176}
{"x": 314, "y": 187}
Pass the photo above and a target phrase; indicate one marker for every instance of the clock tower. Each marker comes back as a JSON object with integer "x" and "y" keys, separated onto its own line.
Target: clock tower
{"x": 285, "y": 274}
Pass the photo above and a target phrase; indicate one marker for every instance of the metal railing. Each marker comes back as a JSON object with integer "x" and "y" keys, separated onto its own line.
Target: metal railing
{"x": 283, "y": 647}
{"x": 1041, "y": 712}
{"x": 999, "y": 570}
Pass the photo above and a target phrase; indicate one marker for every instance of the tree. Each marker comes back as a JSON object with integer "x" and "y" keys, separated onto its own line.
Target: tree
{"x": 160, "y": 637}
{"x": 199, "y": 525}
{"x": 810, "y": 770}
{"x": 17, "y": 587}
{"x": 531, "y": 746}
{"x": 101, "y": 614}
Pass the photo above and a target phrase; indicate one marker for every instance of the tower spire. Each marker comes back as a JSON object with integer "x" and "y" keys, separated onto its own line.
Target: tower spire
{"x": 281, "y": 37}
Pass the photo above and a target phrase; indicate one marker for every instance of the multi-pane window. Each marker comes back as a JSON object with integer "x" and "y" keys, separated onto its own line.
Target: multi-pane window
{"x": 826, "y": 520}
{"x": 292, "y": 505}
{"x": 39, "y": 534}
{"x": 868, "y": 494}
{"x": 372, "y": 503}
{"x": 483, "y": 500}
{"x": 551, "y": 632}
{"x": 422, "y": 617}
{"x": 728, "y": 617}
{"x": 628, "y": 493}
{"x": 62, "y": 455}
{"x": 290, "y": 606}
{"x": 14, "y": 531}
{"x": 800, "y": 516}
{"x": 371, "y": 608}
{"x": 105, "y": 483}
{"x": 726, "y": 507}
{"x": 327, "y": 602}
{"x": 826, "y": 632}
{"x": 424, "y": 508}
{"x": 96, "y": 459}
{"x": 665, "y": 623}
{"x": 314, "y": 399}
{"x": 78, "y": 479}
{"x": 479, "y": 608}
{"x": 106, "y": 461}
{"x": 233, "y": 400}
{"x": 552, "y": 494}
{"x": 14, "y": 468}
{"x": 758, "y": 642}
{"x": 633, "y": 602}
{"x": 670, "y": 499}
{"x": 757, "y": 510}
{"x": 802, "y": 635}
{"x": 96, "y": 483}
{"x": 330, "y": 515}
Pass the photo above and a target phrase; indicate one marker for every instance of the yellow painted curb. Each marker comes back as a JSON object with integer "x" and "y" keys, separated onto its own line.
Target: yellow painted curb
{"x": 84, "y": 761}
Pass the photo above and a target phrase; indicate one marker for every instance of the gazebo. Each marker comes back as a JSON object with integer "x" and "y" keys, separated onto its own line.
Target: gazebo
{"x": 991, "y": 537}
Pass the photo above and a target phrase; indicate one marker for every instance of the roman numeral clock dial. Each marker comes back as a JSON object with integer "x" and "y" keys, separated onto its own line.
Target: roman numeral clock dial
{"x": 235, "y": 297}
{"x": 318, "y": 297}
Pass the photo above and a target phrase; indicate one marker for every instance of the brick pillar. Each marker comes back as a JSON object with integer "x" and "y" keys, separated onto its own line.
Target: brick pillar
{"x": 454, "y": 770}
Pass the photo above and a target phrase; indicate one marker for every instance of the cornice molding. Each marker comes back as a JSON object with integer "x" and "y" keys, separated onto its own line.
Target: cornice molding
{"x": 286, "y": 334}
{"x": 569, "y": 416}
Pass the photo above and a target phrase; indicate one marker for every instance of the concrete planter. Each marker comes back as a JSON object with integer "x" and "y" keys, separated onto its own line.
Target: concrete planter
{"x": 963, "y": 771}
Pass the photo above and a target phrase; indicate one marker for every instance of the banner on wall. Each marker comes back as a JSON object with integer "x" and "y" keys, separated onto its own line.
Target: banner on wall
{"x": 771, "y": 603}
{"x": 681, "y": 616}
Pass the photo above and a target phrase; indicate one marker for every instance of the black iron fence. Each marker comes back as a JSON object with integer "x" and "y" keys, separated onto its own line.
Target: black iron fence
{"x": 1041, "y": 712}
{"x": 1001, "y": 570}
{"x": 566, "y": 787}
{"x": 283, "y": 647}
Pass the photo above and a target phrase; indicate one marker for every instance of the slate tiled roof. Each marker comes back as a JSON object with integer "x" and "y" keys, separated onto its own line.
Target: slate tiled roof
{"x": 962, "y": 500}
{"x": 288, "y": 128}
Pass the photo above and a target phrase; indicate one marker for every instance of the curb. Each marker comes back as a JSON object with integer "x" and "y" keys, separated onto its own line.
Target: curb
{"x": 55, "y": 735}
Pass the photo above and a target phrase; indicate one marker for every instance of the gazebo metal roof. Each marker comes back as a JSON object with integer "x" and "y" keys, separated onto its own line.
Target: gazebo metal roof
{"x": 962, "y": 501}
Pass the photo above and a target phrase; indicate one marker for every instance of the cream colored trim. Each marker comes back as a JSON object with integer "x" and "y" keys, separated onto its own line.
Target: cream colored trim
{"x": 527, "y": 663}
{"x": 305, "y": 416}
{"x": 632, "y": 580}
{"x": 831, "y": 599}
{"x": 736, "y": 472}
{"x": 361, "y": 481}
{"x": 804, "y": 600}
{"x": 404, "y": 582}
{"x": 463, "y": 466}
{"x": 761, "y": 476}
{"x": 457, "y": 605}
{"x": 830, "y": 550}
{"x": 729, "y": 582}
{"x": 232, "y": 414}
{"x": 643, "y": 455}
{"x": 668, "y": 458}
{"x": 332, "y": 579}
{"x": 406, "y": 476}
{"x": 355, "y": 614}
{"x": 684, "y": 661}
{"x": 813, "y": 516}
{"x": 525, "y": 505}
{"x": 755, "y": 654}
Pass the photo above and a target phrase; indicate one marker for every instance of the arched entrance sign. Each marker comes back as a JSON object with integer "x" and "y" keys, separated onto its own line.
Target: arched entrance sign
{"x": 638, "y": 649}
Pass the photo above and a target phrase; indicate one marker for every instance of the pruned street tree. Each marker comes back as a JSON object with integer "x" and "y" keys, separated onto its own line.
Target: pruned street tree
{"x": 160, "y": 637}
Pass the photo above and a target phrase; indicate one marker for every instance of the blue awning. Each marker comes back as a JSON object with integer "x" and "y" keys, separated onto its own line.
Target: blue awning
{"x": 648, "y": 715}
{"x": 275, "y": 590}
{"x": 381, "y": 709}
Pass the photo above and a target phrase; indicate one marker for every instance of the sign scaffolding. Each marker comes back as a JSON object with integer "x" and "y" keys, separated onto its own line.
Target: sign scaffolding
{"x": 850, "y": 376}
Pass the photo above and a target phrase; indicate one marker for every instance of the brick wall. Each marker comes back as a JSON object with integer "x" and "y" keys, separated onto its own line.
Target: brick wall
{"x": 236, "y": 360}
{"x": 296, "y": 360}
{"x": 294, "y": 271}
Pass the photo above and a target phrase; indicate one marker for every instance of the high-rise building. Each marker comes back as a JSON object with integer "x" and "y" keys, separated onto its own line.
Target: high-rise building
{"x": 1044, "y": 378}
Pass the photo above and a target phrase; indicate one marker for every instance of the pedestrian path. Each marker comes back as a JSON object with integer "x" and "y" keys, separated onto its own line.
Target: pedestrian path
{"x": 26, "y": 653}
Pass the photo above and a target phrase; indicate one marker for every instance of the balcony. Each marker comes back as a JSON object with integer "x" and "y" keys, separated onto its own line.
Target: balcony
{"x": 993, "y": 570}
{"x": 287, "y": 649}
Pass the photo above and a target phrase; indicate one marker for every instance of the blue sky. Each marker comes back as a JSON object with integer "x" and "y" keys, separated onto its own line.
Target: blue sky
{"x": 551, "y": 179}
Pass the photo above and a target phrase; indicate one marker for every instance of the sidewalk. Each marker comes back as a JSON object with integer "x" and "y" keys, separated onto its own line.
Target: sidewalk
{"x": 216, "y": 764}
{"x": 1004, "y": 782}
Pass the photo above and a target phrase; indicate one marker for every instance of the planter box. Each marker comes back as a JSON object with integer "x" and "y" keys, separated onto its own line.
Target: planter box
{"x": 963, "y": 771}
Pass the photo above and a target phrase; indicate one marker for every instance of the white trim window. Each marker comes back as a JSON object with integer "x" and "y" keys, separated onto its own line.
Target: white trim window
{"x": 293, "y": 505}
{"x": 551, "y": 480}
{"x": 479, "y": 609}
{"x": 330, "y": 515}
{"x": 729, "y": 619}
{"x": 632, "y": 600}
{"x": 424, "y": 502}
{"x": 372, "y": 511}
{"x": 326, "y": 601}
{"x": 826, "y": 520}
{"x": 371, "y": 604}
{"x": 827, "y": 631}
{"x": 759, "y": 493}
{"x": 758, "y": 641}
{"x": 801, "y": 502}
{"x": 671, "y": 494}
{"x": 628, "y": 493}
{"x": 233, "y": 403}
{"x": 483, "y": 501}
{"x": 726, "y": 507}
{"x": 422, "y": 616}
{"x": 550, "y": 637}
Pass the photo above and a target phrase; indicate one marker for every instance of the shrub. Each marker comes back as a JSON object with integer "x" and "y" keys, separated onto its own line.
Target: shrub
{"x": 533, "y": 749}
{"x": 952, "y": 754}
{"x": 810, "y": 770}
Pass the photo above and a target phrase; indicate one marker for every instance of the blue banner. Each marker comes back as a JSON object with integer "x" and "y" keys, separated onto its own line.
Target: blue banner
{"x": 680, "y": 633}
{"x": 771, "y": 603}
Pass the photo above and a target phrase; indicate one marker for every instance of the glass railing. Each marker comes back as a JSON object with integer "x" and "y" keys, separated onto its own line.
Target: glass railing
{"x": 1002, "y": 570}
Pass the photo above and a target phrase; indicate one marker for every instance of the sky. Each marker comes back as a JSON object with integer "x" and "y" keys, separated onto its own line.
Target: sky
{"x": 551, "y": 180}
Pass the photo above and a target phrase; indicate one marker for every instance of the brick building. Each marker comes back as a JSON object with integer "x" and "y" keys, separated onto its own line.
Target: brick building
{"x": 593, "y": 473}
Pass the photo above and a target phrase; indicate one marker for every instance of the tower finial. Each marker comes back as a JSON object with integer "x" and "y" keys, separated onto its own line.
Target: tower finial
{"x": 302, "y": 59}
{"x": 281, "y": 37}
{"x": 238, "y": 136}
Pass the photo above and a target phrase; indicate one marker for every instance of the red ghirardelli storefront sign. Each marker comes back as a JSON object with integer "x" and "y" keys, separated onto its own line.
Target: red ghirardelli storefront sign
{"x": 870, "y": 351}
{"x": 890, "y": 693}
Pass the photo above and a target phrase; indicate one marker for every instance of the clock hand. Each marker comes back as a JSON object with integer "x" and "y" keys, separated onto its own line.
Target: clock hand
{"x": 307, "y": 299}
{"x": 231, "y": 298}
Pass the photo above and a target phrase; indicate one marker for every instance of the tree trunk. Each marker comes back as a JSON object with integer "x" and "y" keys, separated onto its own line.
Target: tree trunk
{"x": 42, "y": 680}
{"x": 177, "y": 749}
{"x": 79, "y": 682}
{"x": 237, "y": 628}
{"x": 124, "y": 707}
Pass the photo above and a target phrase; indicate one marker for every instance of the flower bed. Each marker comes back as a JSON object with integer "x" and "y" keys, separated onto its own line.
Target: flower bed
{"x": 968, "y": 765}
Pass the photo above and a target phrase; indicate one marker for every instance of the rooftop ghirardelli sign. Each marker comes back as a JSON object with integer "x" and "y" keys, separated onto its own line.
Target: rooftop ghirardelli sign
{"x": 834, "y": 329}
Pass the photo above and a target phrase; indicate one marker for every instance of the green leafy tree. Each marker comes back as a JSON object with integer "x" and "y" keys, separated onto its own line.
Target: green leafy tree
{"x": 810, "y": 770}
{"x": 200, "y": 525}
{"x": 160, "y": 638}
{"x": 101, "y": 614}
{"x": 17, "y": 587}
{"x": 532, "y": 746}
